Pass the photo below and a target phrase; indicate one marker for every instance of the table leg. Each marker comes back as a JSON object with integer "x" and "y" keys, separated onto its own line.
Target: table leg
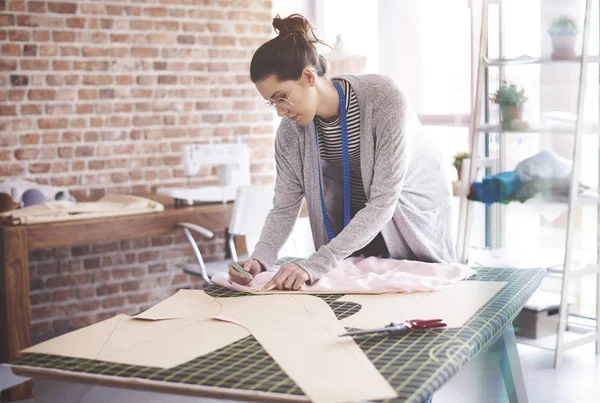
{"x": 15, "y": 321}
{"x": 511, "y": 366}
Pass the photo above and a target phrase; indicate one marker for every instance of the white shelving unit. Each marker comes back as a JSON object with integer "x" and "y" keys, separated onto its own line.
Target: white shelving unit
{"x": 576, "y": 128}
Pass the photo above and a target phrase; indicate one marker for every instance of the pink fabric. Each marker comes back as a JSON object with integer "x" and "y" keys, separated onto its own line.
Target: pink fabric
{"x": 370, "y": 275}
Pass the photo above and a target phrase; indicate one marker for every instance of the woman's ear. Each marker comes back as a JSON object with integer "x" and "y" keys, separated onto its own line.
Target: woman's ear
{"x": 309, "y": 76}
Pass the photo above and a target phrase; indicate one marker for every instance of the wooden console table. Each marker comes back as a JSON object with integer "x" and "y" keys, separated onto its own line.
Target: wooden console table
{"x": 17, "y": 241}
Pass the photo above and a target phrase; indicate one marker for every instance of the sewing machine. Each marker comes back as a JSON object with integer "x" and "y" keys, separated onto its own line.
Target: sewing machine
{"x": 232, "y": 162}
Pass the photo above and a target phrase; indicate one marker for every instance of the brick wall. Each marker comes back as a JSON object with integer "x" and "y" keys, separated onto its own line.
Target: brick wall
{"x": 101, "y": 96}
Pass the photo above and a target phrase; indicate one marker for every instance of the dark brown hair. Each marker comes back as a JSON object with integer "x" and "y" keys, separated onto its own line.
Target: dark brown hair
{"x": 289, "y": 52}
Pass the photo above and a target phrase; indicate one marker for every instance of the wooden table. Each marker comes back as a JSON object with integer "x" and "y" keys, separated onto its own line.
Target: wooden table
{"x": 17, "y": 241}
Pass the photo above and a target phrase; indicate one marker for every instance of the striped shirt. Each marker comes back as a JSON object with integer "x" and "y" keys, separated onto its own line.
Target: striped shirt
{"x": 330, "y": 146}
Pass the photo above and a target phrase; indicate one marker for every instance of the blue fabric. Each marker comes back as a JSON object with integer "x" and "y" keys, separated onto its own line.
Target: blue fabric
{"x": 495, "y": 188}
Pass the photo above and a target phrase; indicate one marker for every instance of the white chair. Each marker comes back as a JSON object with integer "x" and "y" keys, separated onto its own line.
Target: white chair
{"x": 250, "y": 209}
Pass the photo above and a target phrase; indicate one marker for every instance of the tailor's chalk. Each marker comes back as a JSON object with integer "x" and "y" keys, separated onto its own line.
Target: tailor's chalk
{"x": 239, "y": 268}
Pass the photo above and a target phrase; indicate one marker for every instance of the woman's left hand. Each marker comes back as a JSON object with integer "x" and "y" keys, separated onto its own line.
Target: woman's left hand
{"x": 288, "y": 277}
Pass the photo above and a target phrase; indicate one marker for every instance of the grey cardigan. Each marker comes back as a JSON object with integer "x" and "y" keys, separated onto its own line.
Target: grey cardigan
{"x": 404, "y": 176}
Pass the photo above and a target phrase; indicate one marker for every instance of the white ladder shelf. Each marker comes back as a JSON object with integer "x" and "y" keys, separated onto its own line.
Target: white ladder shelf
{"x": 574, "y": 202}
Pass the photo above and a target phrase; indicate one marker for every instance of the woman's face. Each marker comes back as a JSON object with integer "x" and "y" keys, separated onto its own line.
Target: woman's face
{"x": 295, "y": 100}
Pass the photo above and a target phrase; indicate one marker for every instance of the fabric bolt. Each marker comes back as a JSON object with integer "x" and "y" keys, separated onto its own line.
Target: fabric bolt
{"x": 369, "y": 276}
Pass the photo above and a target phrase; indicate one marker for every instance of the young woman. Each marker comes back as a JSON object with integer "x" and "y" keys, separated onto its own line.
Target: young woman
{"x": 353, "y": 147}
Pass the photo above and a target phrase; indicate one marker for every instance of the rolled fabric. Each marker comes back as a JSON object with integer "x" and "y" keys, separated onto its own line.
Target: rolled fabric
{"x": 31, "y": 197}
{"x": 500, "y": 186}
{"x": 6, "y": 202}
{"x": 495, "y": 188}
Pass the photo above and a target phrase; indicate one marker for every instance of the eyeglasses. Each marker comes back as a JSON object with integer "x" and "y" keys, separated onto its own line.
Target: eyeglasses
{"x": 284, "y": 104}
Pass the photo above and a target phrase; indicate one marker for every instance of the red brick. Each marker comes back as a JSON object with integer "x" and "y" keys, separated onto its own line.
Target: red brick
{"x": 194, "y": 27}
{"x": 30, "y": 139}
{"x": 155, "y": 11}
{"x": 106, "y": 23}
{"x": 64, "y": 295}
{"x": 39, "y": 168}
{"x": 84, "y": 151}
{"x": 144, "y": 52}
{"x": 61, "y": 167}
{"x": 36, "y": 64}
{"x": 39, "y": 312}
{"x": 91, "y": 8}
{"x": 41, "y": 298}
{"x": 96, "y": 165}
{"x": 44, "y": 21}
{"x": 41, "y": 95}
{"x": 130, "y": 286}
{"x": 49, "y": 152}
{"x": 53, "y": 123}
{"x": 107, "y": 93}
{"x": 167, "y": 25}
{"x": 50, "y": 138}
{"x": 138, "y": 298}
{"x": 120, "y": 38}
{"x": 11, "y": 169}
{"x": 148, "y": 256}
{"x": 59, "y": 109}
{"x": 76, "y": 22}
{"x": 8, "y": 110}
{"x": 36, "y": 6}
{"x": 11, "y": 49}
{"x": 48, "y": 50}
{"x": 142, "y": 25}
{"x": 90, "y": 305}
{"x": 91, "y": 263}
{"x": 161, "y": 39}
{"x": 7, "y": 20}
{"x": 108, "y": 289}
{"x": 91, "y": 65}
{"x": 167, "y": 79}
{"x": 63, "y": 36}
{"x": 70, "y": 51}
{"x": 115, "y": 10}
{"x": 61, "y": 65}
{"x": 88, "y": 94}
{"x": 8, "y": 65}
{"x": 62, "y": 8}
{"x": 30, "y": 50}
{"x": 27, "y": 153}
{"x": 85, "y": 108}
{"x": 80, "y": 321}
{"x": 119, "y": 121}
{"x": 41, "y": 36}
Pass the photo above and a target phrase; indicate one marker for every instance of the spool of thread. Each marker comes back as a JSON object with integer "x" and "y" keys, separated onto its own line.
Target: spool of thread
{"x": 31, "y": 197}
{"x": 62, "y": 195}
{"x": 6, "y": 203}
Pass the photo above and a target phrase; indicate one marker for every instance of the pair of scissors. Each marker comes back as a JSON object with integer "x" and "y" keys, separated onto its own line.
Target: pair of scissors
{"x": 399, "y": 327}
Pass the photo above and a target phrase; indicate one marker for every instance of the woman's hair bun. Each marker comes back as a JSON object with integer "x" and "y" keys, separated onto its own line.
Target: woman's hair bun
{"x": 294, "y": 24}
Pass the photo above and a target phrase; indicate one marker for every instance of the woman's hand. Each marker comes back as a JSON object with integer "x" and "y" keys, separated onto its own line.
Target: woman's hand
{"x": 250, "y": 265}
{"x": 288, "y": 277}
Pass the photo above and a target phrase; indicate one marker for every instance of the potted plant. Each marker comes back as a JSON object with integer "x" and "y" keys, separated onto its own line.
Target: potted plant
{"x": 563, "y": 32}
{"x": 511, "y": 100}
{"x": 459, "y": 157}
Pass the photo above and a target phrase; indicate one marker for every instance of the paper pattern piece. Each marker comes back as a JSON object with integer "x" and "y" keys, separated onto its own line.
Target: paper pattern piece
{"x": 455, "y": 305}
{"x": 183, "y": 304}
{"x": 301, "y": 333}
{"x": 152, "y": 342}
{"x": 372, "y": 275}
